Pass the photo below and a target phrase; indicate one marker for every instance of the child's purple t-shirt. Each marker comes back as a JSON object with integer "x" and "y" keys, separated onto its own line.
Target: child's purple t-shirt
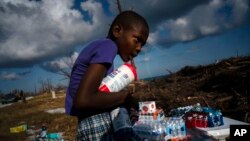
{"x": 99, "y": 51}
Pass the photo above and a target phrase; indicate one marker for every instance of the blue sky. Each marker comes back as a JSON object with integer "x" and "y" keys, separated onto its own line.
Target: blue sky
{"x": 40, "y": 38}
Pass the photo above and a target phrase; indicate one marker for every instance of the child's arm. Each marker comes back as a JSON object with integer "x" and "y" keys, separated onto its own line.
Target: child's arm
{"x": 90, "y": 99}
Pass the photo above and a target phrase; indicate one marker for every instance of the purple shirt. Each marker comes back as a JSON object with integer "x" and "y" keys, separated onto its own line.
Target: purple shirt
{"x": 99, "y": 51}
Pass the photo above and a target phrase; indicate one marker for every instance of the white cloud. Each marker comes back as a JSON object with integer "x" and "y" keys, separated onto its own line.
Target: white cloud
{"x": 146, "y": 59}
{"x": 212, "y": 18}
{"x": 35, "y": 31}
{"x": 240, "y": 9}
{"x": 63, "y": 63}
{"x": 8, "y": 75}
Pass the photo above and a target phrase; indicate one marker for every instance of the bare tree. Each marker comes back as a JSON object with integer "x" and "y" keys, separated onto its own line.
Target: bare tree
{"x": 119, "y": 6}
{"x": 46, "y": 86}
{"x": 66, "y": 72}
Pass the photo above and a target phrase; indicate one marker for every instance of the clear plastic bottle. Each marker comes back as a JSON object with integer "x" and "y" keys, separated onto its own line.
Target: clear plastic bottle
{"x": 221, "y": 118}
{"x": 168, "y": 130}
{"x": 211, "y": 119}
{"x": 55, "y": 135}
{"x": 178, "y": 130}
{"x": 183, "y": 128}
{"x": 198, "y": 108}
{"x": 43, "y": 132}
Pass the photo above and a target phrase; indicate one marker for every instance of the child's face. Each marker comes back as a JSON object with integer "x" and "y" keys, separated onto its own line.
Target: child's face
{"x": 130, "y": 42}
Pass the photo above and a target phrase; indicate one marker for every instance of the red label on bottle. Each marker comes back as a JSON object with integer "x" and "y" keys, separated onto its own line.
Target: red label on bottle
{"x": 133, "y": 69}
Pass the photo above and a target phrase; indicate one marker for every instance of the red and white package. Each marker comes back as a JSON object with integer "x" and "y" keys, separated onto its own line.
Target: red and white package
{"x": 147, "y": 107}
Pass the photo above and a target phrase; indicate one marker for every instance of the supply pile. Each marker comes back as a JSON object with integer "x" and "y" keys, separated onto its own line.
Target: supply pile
{"x": 154, "y": 126}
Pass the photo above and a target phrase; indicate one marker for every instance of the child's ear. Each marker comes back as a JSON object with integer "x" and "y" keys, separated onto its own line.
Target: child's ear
{"x": 117, "y": 29}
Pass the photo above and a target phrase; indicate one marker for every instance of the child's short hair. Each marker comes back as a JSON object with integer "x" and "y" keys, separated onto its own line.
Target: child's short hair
{"x": 127, "y": 19}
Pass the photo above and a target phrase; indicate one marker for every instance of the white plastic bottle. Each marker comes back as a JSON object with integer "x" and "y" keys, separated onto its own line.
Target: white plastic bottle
{"x": 119, "y": 78}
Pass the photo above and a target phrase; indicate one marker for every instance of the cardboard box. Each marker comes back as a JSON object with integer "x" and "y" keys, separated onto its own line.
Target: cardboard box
{"x": 147, "y": 107}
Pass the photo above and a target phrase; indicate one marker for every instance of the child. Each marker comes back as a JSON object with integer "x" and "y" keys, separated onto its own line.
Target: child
{"x": 127, "y": 34}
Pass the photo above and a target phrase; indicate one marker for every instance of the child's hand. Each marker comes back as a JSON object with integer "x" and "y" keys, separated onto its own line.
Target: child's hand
{"x": 131, "y": 102}
{"x": 132, "y": 106}
{"x": 133, "y": 115}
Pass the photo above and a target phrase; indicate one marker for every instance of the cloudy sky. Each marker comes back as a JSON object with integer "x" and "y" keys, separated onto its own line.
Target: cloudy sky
{"x": 40, "y": 38}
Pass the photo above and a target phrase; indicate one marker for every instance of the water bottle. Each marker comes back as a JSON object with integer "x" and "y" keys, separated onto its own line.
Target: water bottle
{"x": 168, "y": 130}
{"x": 198, "y": 108}
{"x": 173, "y": 131}
{"x": 211, "y": 122}
{"x": 142, "y": 130}
{"x": 178, "y": 130}
{"x": 221, "y": 118}
{"x": 55, "y": 135}
{"x": 183, "y": 128}
{"x": 43, "y": 132}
